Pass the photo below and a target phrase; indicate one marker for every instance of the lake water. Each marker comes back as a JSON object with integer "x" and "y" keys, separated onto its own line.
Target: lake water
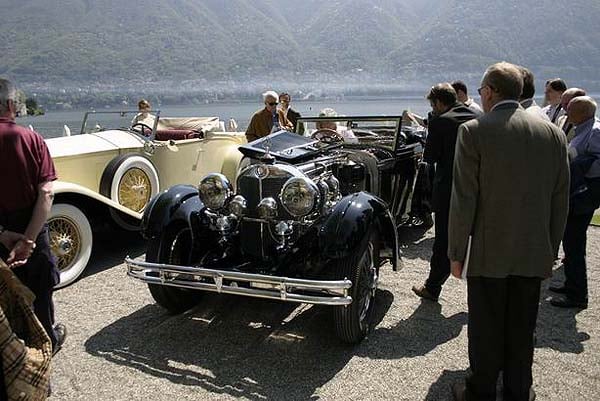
{"x": 51, "y": 124}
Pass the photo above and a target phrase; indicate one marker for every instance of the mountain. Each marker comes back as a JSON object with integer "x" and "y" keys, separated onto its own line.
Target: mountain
{"x": 359, "y": 41}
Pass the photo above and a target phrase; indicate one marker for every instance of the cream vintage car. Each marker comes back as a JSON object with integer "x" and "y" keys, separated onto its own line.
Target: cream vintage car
{"x": 113, "y": 173}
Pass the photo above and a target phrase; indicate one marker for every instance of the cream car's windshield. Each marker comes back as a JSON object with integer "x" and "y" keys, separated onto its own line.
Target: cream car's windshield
{"x": 96, "y": 121}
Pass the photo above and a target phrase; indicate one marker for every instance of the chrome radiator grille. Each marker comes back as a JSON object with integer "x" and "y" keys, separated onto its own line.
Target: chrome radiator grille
{"x": 256, "y": 183}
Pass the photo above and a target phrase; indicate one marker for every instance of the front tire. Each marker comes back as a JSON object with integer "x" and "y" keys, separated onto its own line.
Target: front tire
{"x": 70, "y": 240}
{"x": 177, "y": 251}
{"x": 352, "y": 322}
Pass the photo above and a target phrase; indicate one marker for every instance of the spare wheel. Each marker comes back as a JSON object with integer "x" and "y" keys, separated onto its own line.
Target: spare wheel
{"x": 70, "y": 240}
{"x": 130, "y": 180}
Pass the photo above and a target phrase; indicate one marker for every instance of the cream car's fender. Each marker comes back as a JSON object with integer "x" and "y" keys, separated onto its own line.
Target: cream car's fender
{"x": 62, "y": 187}
{"x": 231, "y": 161}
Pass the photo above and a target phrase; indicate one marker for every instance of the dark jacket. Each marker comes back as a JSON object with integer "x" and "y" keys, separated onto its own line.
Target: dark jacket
{"x": 585, "y": 192}
{"x": 510, "y": 193}
{"x": 439, "y": 149}
{"x": 293, "y": 116}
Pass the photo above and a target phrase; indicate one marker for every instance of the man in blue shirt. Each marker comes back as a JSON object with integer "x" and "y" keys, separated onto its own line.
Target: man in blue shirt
{"x": 584, "y": 156}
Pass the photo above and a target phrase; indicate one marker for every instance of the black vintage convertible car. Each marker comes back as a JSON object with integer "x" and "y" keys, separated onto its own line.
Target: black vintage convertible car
{"x": 311, "y": 220}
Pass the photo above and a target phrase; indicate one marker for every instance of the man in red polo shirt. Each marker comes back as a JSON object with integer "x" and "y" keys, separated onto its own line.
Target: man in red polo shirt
{"x": 26, "y": 175}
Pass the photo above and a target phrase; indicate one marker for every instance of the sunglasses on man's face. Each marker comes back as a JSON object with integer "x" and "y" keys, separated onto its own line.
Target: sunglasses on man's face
{"x": 272, "y": 103}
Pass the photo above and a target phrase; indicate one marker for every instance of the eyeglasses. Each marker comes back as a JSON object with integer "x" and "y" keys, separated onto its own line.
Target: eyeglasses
{"x": 272, "y": 103}
{"x": 483, "y": 86}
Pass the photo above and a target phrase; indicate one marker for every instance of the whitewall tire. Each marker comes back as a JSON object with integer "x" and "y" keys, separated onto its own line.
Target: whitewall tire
{"x": 70, "y": 240}
{"x": 131, "y": 181}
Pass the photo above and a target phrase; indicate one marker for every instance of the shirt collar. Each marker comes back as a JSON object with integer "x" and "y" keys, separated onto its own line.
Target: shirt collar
{"x": 502, "y": 102}
{"x": 585, "y": 126}
{"x": 526, "y": 103}
{"x": 7, "y": 120}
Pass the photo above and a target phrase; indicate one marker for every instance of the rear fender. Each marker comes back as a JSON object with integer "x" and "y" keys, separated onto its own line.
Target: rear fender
{"x": 349, "y": 225}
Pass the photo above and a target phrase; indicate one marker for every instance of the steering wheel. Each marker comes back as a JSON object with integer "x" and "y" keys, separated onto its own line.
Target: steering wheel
{"x": 327, "y": 135}
{"x": 143, "y": 129}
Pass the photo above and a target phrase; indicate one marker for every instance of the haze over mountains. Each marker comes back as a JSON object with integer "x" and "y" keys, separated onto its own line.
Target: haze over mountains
{"x": 406, "y": 42}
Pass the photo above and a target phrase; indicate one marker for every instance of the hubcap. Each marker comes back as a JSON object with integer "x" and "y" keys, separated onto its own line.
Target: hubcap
{"x": 134, "y": 189}
{"x": 65, "y": 241}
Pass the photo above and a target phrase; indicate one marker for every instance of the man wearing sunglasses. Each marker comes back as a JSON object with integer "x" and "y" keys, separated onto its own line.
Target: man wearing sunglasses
{"x": 266, "y": 120}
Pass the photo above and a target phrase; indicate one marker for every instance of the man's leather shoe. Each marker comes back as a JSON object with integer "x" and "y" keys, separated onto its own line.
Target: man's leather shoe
{"x": 60, "y": 330}
{"x": 423, "y": 292}
{"x": 567, "y": 302}
{"x": 459, "y": 391}
{"x": 558, "y": 289}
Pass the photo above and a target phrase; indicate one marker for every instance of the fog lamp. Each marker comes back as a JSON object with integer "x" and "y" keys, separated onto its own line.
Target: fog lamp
{"x": 238, "y": 206}
{"x": 267, "y": 209}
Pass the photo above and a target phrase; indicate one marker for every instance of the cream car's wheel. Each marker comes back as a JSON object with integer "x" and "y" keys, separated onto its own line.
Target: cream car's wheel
{"x": 70, "y": 240}
{"x": 131, "y": 181}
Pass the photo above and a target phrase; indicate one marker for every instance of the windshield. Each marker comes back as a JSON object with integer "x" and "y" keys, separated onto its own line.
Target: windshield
{"x": 381, "y": 130}
{"x": 95, "y": 121}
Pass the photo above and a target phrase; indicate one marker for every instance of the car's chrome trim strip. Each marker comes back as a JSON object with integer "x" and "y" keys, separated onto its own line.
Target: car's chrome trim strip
{"x": 333, "y": 292}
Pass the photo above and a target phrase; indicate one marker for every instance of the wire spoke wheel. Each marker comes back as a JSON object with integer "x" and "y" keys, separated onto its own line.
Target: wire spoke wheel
{"x": 134, "y": 189}
{"x": 367, "y": 286}
{"x": 65, "y": 241}
{"x": 353, "y": 322}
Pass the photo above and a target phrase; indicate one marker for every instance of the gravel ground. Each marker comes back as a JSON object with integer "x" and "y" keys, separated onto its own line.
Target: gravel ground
{"x": 121, "y": 346}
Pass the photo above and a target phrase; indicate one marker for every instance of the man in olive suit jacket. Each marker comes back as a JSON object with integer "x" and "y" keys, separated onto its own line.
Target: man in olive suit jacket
{"x": 510, "y": 195}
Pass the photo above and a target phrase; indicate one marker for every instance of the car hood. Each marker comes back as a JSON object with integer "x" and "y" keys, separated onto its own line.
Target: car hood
{"x": 93, "y": 143}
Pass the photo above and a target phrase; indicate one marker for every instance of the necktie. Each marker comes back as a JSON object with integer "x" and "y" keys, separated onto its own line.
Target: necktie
{"x": 555, "y": 115}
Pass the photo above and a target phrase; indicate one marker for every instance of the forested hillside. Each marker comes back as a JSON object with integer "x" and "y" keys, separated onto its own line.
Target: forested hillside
{"x": 78, "y": 41}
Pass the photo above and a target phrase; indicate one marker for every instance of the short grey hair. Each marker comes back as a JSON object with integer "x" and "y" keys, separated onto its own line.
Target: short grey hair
{"x": 8, "y": 91}
{"x": 327, "y": 112}
{"x": 272, "y": 94}
{"x": 585, "y": 104}
{"x": 505, "y": 79}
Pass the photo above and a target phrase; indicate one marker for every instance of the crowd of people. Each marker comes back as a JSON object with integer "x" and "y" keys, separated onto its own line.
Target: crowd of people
{"x": 498, "y": 220}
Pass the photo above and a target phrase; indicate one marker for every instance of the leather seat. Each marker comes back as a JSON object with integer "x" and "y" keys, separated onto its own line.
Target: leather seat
{"x": 176, "y": 134}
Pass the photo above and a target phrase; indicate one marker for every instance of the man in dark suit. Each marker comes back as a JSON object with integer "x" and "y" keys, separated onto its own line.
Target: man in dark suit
{"x": 510, "y": 198}
{"x": 439, "y": 150}
{"x": 292, "y": 115}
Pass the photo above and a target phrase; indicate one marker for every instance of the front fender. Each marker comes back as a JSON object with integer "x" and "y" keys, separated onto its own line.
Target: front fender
{"x": 350, "y": 223}
{"x": 176, "y": 203}
{"x": 65, "y": 188}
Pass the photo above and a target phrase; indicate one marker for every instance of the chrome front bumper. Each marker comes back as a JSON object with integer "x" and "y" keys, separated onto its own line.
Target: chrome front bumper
{"x": 230, "y": 282}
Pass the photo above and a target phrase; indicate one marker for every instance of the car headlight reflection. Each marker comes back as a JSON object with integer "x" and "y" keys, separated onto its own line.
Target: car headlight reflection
{"x": 299, "y": 196}
{"x": 214, "y": 191}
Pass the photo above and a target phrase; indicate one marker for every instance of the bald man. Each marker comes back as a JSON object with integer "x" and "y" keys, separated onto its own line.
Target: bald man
{"x": 584, "y": 155}
{"x": 567, "y": 96}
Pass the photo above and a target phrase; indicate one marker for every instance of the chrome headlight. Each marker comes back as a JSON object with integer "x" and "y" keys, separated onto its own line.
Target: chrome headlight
{"x": 299, "y": 196}
{"x": 215, "y": 190}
